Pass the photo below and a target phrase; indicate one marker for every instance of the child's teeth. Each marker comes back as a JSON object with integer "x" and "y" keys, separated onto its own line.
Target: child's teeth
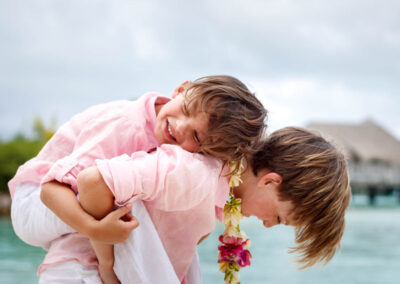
{"x": 170, "y": 132}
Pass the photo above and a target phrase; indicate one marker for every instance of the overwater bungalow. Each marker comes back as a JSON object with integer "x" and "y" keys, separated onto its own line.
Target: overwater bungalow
{"x": 373, "y": 156}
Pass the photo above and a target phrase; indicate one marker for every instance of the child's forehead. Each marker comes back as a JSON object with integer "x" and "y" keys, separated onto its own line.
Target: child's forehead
{"x": 195, "y": 105}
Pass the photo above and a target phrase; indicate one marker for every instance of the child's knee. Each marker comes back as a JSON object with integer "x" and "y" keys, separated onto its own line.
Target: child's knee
{"x": 88, "y": 180}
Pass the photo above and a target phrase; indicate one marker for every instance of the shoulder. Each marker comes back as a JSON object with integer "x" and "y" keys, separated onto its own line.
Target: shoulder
{"x": 188, "y": 158}
{"x": 191, "y": 169}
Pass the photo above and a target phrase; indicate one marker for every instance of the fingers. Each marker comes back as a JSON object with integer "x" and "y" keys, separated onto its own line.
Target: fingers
{"x": 130, "y": 221}
{"x": 124, "y": 213}
{"x": 132, "y": 224}
{"x": 122, "y": 210}
{"x": 127, "y": 217}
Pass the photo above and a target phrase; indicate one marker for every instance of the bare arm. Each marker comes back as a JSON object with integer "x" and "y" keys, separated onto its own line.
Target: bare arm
{"x": 62, "y": 201}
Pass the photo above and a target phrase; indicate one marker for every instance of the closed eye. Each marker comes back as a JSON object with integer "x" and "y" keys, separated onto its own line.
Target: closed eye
{"x": 196, "y": 137}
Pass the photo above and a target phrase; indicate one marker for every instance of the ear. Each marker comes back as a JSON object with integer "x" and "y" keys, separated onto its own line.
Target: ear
{"x": 179, "y": 89}
{"x": 269, "y": 178}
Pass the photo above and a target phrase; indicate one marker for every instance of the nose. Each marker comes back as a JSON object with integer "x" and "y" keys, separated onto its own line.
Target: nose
{"x": 269, "y": 223}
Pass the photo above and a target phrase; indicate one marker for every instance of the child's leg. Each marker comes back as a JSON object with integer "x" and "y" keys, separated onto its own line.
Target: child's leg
{"x": 98, "y": 201}
{"x": 105, "y": 256}
{"x": 33, "y": 222}
{"x": 95, "y": 197}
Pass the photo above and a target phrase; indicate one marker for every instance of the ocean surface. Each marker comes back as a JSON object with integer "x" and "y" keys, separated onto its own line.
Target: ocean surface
{"x": 370, "y": 252}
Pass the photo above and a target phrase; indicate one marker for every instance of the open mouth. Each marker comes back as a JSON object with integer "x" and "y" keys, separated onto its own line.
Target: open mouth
{"x": 170, "y": 131}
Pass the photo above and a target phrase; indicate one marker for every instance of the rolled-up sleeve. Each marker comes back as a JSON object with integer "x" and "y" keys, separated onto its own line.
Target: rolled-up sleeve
{"x": 171, "y": 178}
{"x": 105, "y": 137}
{"x": 66, "y": 171}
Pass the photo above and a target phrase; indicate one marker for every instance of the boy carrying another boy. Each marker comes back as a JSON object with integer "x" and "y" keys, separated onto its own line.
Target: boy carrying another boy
{"x": 294, "y": 178}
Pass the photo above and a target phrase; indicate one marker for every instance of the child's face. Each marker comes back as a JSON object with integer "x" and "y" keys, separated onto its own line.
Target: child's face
{"x": 259, "y": 196}
{"x": 175, "y": 126}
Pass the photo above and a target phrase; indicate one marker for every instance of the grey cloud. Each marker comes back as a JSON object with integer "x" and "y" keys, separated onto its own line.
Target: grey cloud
{"x": 63, "y": 56}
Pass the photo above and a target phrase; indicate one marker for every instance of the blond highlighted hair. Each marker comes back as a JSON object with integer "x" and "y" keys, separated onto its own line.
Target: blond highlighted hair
{"x": 315, "y": 178}
{"x": 236, "y": 118}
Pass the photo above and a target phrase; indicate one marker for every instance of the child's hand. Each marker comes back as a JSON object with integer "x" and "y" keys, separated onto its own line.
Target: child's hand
{"x": 115, "y": 227}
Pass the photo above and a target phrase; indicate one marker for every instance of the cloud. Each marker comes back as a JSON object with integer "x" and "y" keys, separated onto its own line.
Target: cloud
{"x": 313, "y": 60}
{"x": 299, "y": 101}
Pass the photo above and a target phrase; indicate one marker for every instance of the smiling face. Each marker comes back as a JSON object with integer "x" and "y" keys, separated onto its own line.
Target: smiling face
{"x": 176, "y": 125}
{"x": 260, "y": 198}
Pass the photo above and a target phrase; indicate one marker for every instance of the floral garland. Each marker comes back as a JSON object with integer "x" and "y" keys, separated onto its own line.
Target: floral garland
{"x": 233, "y": 252}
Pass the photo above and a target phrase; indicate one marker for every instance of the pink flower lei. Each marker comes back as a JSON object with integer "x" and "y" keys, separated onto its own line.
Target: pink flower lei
{"x": 233, "y": 252}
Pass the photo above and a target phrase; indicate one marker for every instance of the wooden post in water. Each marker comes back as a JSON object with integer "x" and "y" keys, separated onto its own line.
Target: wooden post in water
{"x": 372, "y": 195}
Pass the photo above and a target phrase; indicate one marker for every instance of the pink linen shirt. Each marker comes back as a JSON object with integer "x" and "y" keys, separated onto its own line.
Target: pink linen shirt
{"x": 101, "y": 132}
{"x": 183, "y": 192}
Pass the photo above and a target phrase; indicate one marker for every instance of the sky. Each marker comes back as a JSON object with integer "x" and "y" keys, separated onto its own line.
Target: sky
{"x": 307, "y": 61}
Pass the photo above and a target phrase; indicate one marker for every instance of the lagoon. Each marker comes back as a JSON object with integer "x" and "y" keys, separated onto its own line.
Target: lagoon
{"x": 370, "y": 252}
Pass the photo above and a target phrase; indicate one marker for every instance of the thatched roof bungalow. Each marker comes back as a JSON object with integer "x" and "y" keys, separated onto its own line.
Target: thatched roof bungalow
{"x": 373, "y": 153}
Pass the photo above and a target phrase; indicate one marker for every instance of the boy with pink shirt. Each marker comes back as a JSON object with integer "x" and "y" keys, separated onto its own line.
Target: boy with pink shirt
{"x": 203, "y": 116}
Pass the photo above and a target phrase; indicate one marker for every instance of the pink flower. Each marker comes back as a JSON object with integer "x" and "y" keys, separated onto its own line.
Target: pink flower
{"x": 232, "y": 249}
{"x": 230, "y": 240}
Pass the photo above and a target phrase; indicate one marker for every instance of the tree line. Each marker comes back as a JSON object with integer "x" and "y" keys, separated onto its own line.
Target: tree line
{"x": 16, "y": 151}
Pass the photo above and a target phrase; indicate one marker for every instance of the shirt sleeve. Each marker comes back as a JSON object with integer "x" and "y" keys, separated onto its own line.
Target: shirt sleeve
{"x": 171, "y": 178}
{"x": 66, "y": 171}
{"x": 102, "y": 136}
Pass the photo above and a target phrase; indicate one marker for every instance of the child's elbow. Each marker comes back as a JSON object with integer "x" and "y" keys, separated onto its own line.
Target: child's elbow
{"x": 88, "y": 179}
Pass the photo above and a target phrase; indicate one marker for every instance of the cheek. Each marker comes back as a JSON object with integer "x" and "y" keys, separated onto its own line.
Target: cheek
{"x": 253, "y": 207}
{"x": 266, "y": 210}
{"x": 158, "y": 131}
{"x": 189, "y": 146}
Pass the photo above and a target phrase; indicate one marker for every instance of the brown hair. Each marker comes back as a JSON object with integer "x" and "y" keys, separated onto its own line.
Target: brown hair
{"x": 315, "y": 178}
{"x": 236, "y": 116}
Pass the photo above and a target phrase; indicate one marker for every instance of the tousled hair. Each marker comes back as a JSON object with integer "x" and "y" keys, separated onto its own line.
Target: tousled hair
{"x": 236, "y": 118}
{"x": 315, "y": 178}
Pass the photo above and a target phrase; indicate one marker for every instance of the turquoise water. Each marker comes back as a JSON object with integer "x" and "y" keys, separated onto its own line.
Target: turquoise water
{"x": 18, "y": 261}
{"x": 370, "y": 252}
